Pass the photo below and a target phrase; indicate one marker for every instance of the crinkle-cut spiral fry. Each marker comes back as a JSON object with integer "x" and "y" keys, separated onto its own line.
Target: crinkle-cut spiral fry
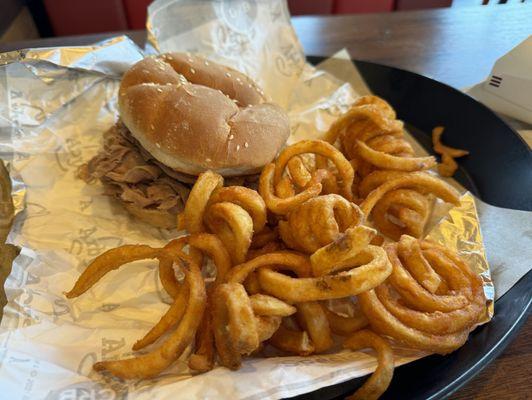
{"x": 310, "y": 314}
{"x": 338, "y": 254}
{"x": 201, "y": 243}
{"x": 265, "y": 305}
{"x": 319, "y": 221}
{"x": 277, "y": 186}
{"x": 166, "y": 264}
{"x": 234, "y": 227}
{"x": 404, "y": 309}
{"x": 170, "y": 318}
{"x": 292, "y": 341}
{"x": 370, "y": 134}
{"x": 234, "y": 324}
{"x": 398, "y": 212}
{"x": 319, "y": 148}
{"x": 265, "y": 236}
{"x": 448, "y": 165}
{"x": 233, "y": 213}
{"x": 401, "y": 190}
{"x": 267, "y": 325}
{"x": 381, "y": 159}
{"x": 362, "y": 267}
{"x": 154, "y": 362}
{"x": 198, "y": 199}
{"x": 269, "y": 247}
{"x": 379, "y": 381}
{"x": 345, "y": 326}
{"x": 283, "y": 205}
{"x": 211, "y": 246}
{"x": 109, "y": 261}
{"x": 246, "y": 198}
{"x": 312, "y": 318}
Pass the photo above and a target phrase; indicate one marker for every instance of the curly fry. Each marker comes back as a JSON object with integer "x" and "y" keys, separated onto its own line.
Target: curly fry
{"x": 154, "y": 362}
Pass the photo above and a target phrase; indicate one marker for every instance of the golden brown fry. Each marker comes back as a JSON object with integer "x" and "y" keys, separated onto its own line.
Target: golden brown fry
{"x": 400, "y": 211}
{"x": 440, "y": 148}
{"x": 252, "y": 284}
{"x": 319, "y": 221}
{"x": 295, "y": 342}
{"x": 265, "y": 236}
{"x": 246, "y": 198}
{"x": 339, "y": 253}
{"x": 417, "y": 296}
{"x": 439, "y": 322}
{"x": 171, "y": 318}
{"x": 312, "y": 318}
{"x": 369, "y": 114}
{"x": 203, "y": 358}
{"x": 156, "y": 361}
{"x": 234, "y": 324}
{"x": 280, "y": 259}
{"x": 324, "y": 149}
{"x": 411, "y": 208}
{"x": 448, "y": 165}
{"x": 369, "y": 268}
{"x": 383, "y": 160}
{"x": 409, "y": 251}
{"x": 166, "y": 265}
{"x": 283, "y": 205}
{"x": 263, "y": 304}
{"x": 234, "y": 227}
{"x": 379, "y": 381}
{"x": 213, "y": 247}
{"x": 109, "y": 261}
{"x": 198, "y": 198}
{"x": 298, "y": 171}
{"x": 267, "y": 326}
{"x": 345, "y": 326}
{"x": 415, "y": 179}
{"x": 269, "y": 247}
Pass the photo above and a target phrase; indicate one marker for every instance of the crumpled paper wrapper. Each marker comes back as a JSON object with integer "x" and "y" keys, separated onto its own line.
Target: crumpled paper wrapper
{"x": 55, "y": 104}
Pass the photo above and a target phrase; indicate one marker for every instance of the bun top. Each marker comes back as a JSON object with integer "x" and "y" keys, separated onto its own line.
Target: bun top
{"x": 194, "y": 115}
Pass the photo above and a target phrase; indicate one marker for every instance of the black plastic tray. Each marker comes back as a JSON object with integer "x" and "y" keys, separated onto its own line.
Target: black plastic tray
{"x": 499, "y": 171}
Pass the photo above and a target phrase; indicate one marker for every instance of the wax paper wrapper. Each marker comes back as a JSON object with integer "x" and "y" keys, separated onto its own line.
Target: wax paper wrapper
{"x": 55, "y": 104}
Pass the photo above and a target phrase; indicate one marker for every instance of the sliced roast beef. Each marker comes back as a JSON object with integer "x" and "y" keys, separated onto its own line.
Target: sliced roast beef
{"x": 132, "y": 176}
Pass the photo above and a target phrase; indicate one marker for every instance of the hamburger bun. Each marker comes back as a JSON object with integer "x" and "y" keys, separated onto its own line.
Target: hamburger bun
{"x": 194, "y": 115}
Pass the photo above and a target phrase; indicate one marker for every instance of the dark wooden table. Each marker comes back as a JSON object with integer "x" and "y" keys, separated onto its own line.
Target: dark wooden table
{"x": 457, "y": 46}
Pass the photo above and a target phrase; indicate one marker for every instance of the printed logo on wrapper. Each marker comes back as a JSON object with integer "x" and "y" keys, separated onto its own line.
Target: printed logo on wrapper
{"x": 277, "y": 11}
{"x": 60, "y": 307}
{"x": 32, "y": 366}
{"x": 289, "y": 62}
{"x": 23, "y": 112}
{"x": 238, "y": 15}
{"x": 101, "y": 387}
{"x": 85, "y": 391}
{"x": 70, "y": 155}
{"x": 34, "y": 210}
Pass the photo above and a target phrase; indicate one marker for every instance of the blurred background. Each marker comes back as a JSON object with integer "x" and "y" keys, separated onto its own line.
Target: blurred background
{"x": 31, "y": 19}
